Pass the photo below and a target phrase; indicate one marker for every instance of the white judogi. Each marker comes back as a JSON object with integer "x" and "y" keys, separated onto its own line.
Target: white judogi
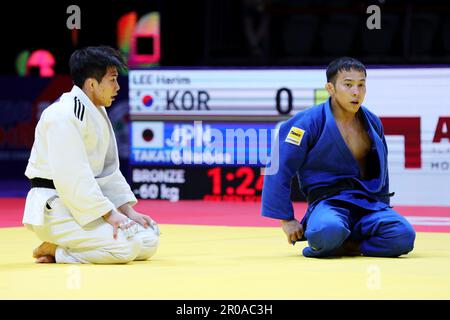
{"x": 75, "y": 147}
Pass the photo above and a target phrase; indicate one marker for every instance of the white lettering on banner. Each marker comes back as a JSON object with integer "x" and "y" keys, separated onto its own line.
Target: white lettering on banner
{"x": 158, "y": 176}
{"x": 185, "y": 156}
{"x": 151, "y": 155}
{"x": 153, "y": 191}
{"x": 170, "y": 193}
{"x": 184, "y": 134}
{"x": 148, "y": 191}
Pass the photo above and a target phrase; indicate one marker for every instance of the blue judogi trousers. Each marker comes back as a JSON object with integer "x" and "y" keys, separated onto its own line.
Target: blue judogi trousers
{"x": 383, "y": 233}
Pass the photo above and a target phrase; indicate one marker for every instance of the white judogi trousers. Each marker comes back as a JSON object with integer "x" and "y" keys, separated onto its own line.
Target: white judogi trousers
{"x": 94, "y": 242}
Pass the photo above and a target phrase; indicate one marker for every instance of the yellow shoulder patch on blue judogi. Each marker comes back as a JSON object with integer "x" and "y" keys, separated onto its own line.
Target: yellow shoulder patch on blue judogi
{"x": 295, "y": 136}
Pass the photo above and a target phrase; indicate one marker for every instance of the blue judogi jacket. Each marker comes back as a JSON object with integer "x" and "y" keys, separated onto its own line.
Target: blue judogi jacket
{"x": 321, "y": 158}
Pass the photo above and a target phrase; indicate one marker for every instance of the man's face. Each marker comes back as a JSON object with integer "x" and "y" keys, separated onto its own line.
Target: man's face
{"x": 349, "y": 90}
{"x": 106, "y": 90}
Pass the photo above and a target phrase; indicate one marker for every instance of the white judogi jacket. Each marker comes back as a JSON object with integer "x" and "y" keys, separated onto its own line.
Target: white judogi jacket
{"x": 75, "y": 147}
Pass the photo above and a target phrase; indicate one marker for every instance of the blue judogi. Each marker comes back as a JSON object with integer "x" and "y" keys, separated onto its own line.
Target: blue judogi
{"x": 311, "y": 146}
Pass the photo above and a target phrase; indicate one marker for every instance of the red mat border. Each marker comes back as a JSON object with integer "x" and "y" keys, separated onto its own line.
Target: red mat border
{"x": 246, "y": 214}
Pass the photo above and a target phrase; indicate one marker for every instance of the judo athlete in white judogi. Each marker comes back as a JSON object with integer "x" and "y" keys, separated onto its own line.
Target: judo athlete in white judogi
{"x": 80, "y": 205}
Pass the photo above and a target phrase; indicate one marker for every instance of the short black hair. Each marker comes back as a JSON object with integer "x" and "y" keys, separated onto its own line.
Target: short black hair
{"x": 343, "y": 63}
{"x": 93, "y": 62}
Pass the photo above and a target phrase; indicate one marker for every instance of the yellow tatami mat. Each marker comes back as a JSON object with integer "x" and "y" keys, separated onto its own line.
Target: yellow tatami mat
{"x": 205, "y": 262}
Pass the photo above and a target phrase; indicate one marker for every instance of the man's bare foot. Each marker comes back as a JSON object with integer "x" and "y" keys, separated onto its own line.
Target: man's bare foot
{"x": 46, "y": 259}
{"x": 45, "y": 253}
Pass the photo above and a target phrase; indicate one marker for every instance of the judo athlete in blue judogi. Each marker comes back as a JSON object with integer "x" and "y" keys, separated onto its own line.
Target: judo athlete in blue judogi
{"x": 338, "y": 151}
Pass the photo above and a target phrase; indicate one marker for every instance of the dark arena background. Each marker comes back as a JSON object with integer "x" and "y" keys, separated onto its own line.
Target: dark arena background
{"x": 230, "y": 71}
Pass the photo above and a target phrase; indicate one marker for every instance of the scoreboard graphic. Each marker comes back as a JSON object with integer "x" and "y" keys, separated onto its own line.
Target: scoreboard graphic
{"x": 235, "y": 93}
{"x": 201, "y": 143}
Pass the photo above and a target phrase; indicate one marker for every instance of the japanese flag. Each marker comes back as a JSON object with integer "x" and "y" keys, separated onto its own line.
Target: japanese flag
{"x": 147, "y": 134}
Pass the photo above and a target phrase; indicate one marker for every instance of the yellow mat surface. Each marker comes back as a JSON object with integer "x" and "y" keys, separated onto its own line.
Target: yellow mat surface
{"x": 205, "y": 262}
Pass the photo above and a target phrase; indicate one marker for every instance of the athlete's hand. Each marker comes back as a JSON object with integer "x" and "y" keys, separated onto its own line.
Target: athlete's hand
{"x": 118, "y": 220}
{"x": 142, "y": 219}
{"x": 293, "y": 230}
